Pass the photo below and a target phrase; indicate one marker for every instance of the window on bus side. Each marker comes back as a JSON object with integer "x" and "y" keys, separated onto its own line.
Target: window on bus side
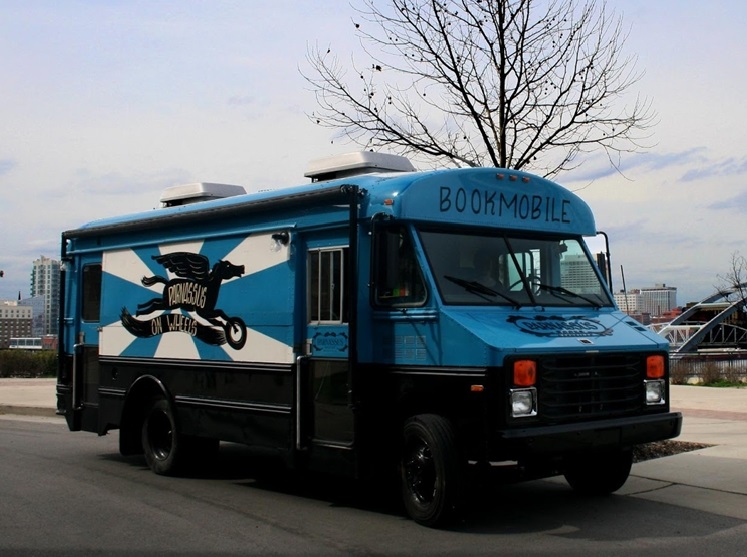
{"x": 91, "y": 305}
{"x": 327, "y": 300}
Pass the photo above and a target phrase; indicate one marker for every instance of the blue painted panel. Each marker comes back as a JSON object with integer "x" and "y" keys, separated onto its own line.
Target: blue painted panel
{"x": 494, "y": 198}
{"x": 222, "y": 299}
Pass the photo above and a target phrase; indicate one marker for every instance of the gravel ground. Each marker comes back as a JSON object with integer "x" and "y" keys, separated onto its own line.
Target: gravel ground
{"x": 649, "y": 451}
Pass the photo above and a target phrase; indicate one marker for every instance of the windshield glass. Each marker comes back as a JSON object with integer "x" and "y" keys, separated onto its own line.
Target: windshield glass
{"x": 472, "y": 269}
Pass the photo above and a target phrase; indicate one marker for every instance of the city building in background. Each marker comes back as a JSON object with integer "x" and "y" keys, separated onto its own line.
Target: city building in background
{"x": 659, "y": 299}
{"x": 647, "y": 304}
{"x": 630, "y": 302}
{"x": 15, "y": 321}
{"x": 577, "y": 275}
{"x": 32, "y": 344}
{"x": 45, "y": 282}
{"x": 37, "y": 304}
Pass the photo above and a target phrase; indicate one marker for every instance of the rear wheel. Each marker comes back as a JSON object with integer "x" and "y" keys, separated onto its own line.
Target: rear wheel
{"x": 160, "y": 438}
{"x": 430, "y": 471}
{"x": 599, "y": 473}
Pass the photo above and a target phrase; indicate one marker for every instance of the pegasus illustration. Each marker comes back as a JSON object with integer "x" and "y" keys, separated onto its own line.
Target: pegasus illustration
{"x": 196, "y": 290}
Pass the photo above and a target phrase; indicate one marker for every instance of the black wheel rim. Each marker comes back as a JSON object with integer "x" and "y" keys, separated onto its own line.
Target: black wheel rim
{"x": 160, "y": 435}
{"x": 420, "y": 471}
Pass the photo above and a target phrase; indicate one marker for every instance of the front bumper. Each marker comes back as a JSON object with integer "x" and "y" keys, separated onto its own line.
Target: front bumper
{"x": 578, "y": 437}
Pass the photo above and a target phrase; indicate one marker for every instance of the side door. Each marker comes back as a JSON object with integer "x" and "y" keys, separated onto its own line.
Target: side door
{"x": 329, "y": 415}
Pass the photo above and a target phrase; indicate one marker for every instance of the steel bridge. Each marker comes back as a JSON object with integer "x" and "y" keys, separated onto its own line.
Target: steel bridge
{"x": 707, "y": 325}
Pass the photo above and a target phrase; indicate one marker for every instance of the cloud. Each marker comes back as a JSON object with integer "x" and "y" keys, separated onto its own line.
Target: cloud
{"x": 737, "y": 202}
{"x": 661, "y": 161}
{"x": 731, "y": 166}
{"x": 667, "y": 160}
{"x": 6, "y": 165}
{"x": 238, "y": 100}
{"x": 646, "y": 232}
{"x": 599, "y": 166}
{"x": 117, "y": 184}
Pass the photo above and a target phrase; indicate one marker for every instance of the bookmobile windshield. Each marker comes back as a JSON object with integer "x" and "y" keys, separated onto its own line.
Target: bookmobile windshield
{"x": 378, "y": 323}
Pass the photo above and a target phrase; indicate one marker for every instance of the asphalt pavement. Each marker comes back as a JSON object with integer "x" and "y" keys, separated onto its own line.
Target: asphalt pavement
{"x": 713, "y": 479}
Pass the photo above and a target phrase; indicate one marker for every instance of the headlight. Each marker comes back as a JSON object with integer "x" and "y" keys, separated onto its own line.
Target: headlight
{"x": 654, "y": 392}
{"x": 523, "y": 402}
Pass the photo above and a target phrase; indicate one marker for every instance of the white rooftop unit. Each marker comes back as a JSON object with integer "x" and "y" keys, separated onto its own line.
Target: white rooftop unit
{"x": 198, "y": 191}
{"x": 351, "y": 164}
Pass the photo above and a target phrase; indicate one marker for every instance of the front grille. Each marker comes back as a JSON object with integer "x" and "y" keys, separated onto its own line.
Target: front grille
{"x": 597, "y": 386}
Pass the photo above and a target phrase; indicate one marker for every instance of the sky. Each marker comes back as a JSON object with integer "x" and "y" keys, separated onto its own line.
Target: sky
{"x": 105, "y": 103}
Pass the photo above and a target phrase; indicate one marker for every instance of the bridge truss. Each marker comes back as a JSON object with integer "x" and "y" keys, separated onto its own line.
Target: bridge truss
{"x": 689, "y": 332}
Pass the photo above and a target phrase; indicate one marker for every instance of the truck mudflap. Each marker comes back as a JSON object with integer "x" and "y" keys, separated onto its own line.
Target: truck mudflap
{"x": 597, "y": 435}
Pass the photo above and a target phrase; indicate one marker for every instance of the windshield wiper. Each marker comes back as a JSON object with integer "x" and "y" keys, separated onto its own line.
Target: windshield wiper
{"x": 480, "y": 289}
{"x": 555, "y": 290}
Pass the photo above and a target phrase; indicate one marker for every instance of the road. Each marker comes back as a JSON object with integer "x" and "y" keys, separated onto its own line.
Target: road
{"x": 72, "y": 494}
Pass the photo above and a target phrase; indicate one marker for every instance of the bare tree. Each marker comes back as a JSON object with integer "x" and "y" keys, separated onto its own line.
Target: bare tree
{"x": 508, "y": 83}
{"x": 733, "y": 285}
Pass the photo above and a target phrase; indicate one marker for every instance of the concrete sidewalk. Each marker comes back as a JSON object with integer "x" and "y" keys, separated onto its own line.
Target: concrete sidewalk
{"x": 28, "y": 397}
{"x": 713, "y": 479}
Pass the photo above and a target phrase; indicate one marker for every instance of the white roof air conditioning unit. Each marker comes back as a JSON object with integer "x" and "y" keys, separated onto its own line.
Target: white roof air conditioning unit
{"x": 353, "y": 164}
{"x": 196, "y": 192}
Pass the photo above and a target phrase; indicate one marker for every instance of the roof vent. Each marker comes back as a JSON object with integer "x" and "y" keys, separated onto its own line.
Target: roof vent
{"x": 352, "y": 164}
{"x": 199, "y": 191}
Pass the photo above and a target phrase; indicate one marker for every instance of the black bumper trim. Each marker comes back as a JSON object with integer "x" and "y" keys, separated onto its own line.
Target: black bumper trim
{"x": 599, "y": 435}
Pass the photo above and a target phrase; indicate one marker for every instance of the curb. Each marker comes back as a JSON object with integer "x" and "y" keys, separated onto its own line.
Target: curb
{"x": 28, "y": 411}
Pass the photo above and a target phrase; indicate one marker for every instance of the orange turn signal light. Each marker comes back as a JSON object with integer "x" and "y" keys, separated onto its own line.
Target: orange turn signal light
{"x": 655, "y": 367}
{"x": 525, "y": 373}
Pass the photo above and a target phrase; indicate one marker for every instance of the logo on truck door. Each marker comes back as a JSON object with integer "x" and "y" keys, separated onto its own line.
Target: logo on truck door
{"x": 194, "y": 290}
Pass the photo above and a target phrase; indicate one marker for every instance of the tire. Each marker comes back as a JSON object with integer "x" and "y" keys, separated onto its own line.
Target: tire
{"x": 430, "y": 470}
{"x": 160, "y": 438}
{"x": 599, "y": 473}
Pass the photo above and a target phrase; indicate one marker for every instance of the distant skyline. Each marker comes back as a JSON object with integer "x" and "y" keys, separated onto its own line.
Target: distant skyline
{"x": 107, "y": 103}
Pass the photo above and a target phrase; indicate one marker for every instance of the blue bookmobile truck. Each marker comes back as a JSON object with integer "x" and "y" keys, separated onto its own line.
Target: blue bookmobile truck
{"x": 436, "y": 324}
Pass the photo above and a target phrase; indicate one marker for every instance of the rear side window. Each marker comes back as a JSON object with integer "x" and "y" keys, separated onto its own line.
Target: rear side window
{"x": 91, "y": 306}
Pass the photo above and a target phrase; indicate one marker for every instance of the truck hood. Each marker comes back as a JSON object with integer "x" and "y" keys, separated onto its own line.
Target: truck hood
{"x": 554, "y": 330}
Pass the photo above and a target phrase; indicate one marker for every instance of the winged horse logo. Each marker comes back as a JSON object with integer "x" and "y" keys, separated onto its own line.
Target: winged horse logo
{"x": 195, "y": 289}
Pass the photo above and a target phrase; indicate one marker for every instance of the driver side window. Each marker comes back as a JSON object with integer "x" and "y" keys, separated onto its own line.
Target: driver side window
{"x": 398, "y": 281}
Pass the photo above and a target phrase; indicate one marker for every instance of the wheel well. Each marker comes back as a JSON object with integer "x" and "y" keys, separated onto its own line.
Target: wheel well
{"x": 137, "y": 400}
{"x": 412, "y": 405}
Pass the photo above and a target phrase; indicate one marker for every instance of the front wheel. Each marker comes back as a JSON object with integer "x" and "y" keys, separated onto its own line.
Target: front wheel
{"x": 430, "y": 471}
{"x": 599, "y": 473}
